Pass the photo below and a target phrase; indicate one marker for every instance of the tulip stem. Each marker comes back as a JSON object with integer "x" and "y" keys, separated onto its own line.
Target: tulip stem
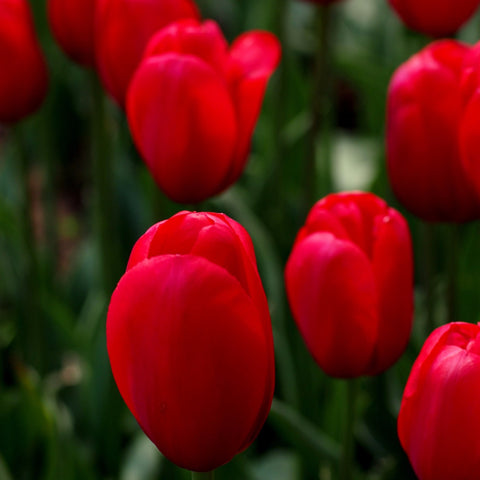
{"x": 30, "y": 303}
{"x": 318, "y": 112}
{"x": 203, "y": 475}
{"x": 453, "y": 241}
{"x": 103, "y": 189}
{"x": 346, "y": 460}
{"x": 428, "y": 274}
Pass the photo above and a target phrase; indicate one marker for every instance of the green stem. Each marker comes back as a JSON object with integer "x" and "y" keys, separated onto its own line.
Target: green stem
{"x": 318, "y": 112}
{"x": 452, "y": 268}
{"x": 300, "y": 432}
{"x": 29, "y": 304}
{"x": 104, "y": 213}
{"x": 427, "y": 235}
{"x": 203, "y": 475}
{"x": 50, "y": 203}
{"x": 346, "y": 462}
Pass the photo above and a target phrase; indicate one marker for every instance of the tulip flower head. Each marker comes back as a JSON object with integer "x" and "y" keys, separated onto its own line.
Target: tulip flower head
{"x": 190, "y": 340}
{"x": 193, "y": 104}
{"x": 437, "y": 423}
{"x": 72, "y": 23}
{"x": 24, "y": 79}
{"x": 437, "y": 18}
{"x": 349, "y": 284}
{"x": 432, "y": 109}
{"x": 123, "y": 29}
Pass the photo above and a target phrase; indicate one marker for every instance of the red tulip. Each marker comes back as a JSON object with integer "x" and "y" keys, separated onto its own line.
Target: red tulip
{"x": 193, "y": 104}
{"x": 439, "y": 414}
{"x": 425, "y": 107}
{"x": 123, "y": 29}
{"x": 24, "y": 80}
{"x": 190, "y": 340}
{"x": 349, "y": 284}
{"x": 437, "y": 18}
{"x": 72, "y": 23}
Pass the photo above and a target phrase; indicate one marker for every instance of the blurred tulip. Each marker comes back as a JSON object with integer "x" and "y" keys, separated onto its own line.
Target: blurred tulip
{"x": 123, "y": 29}
{"x": 193, "y": 104}
{"x": 24, "y": 79}
{"x": 349, "y": 284}
{"x": 438, "y": 18}
{"x": 425, "y": 108}
{"x": 190, "y": 340}
{"x": 437, "y": 423}
{"x": 72, "y": 23}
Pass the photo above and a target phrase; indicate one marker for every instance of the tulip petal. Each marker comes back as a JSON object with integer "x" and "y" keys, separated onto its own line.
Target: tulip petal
{"x": 439, "y": 408}
{"x": 423, "y": 112}
{"x": 392, "y": 266}
{"x": 183, "y": 122}
{"x": 332, "y": 293}
{"x": 24, "y": 79}
{"x": 469, "y": 133}
{"x": 170, "y": 320}
{"x": 122, "y": 31}
{"x": 189, "y": 37}
{"x": 253, "y": 58}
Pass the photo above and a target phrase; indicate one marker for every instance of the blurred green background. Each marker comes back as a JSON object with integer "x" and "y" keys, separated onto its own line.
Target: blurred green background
{"x": 61, "y": 417}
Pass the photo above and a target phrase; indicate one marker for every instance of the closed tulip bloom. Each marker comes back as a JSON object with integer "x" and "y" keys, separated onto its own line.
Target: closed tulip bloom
{"x": 24, "y": 79}
{"x": 193, "y": 104}
{"x": 425, "y": 108}
{"x": 469, "y": 126}
{"x": 123, "y": 29}
{"x": 437, "y": 18}
{"x": 349, "y": 284}
{"x": 190, "y": 340}
{"x": 72, "y": 23}
{"x": 439, "y": 414}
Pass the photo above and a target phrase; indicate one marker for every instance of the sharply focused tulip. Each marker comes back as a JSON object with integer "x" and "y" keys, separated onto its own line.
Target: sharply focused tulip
{"x": 72, "y": 23}
{"x": 349, "y": 284}
{"x": 437, "y": 18}
{"x": 123, "y": 29}
{"x": 190, "y": 340}
{"x": 439, "y": 414}
{"x": 23, "y": 78}
{"x": 428, "y": 99}
{"x": 193, "y": 104}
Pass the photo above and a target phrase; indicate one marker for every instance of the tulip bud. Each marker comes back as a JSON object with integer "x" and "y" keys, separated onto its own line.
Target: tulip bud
{"x": 349, "y": 284}
{"x": 439, "y": 410}
{"x": 72, "y": 24}
{"x": 123, "y": 29}
{"x": 438, "y": 18}
{"x": 425, "y": 107}
{"x": 190, "y": 340}
{"x": 193, "y": 104}
{"x": 24, "y": 80}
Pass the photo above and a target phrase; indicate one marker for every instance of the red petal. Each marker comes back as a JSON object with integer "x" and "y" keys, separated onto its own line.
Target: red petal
{"x": 253, "y": 58}
{"x": 122, "y": 31}
{"x": 333, "y": 297}
{"x": 189, "y": 37}
{"x": 190, "y": 358}
{"x": 182, "y": 120}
